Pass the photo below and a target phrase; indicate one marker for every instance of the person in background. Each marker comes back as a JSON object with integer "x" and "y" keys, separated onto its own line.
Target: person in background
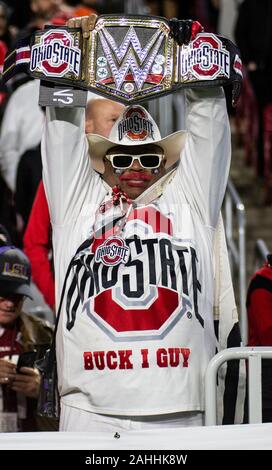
{"x": 19, "y": 333}
{"x": 37, "y": 244}
{"x": 21, "y": 129}
{"x": 29, "y": 175}
{"x": 254, "y": 21}
{"x": 259, "y": 312}
{"x": 20, "y": 136}
{"x": 7, "y": 34}
{"x": 84, "y": 8}
{"x": 42, "y": 11}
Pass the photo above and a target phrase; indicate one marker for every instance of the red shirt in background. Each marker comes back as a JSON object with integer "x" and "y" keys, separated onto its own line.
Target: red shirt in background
{"x": 37, "y": 245}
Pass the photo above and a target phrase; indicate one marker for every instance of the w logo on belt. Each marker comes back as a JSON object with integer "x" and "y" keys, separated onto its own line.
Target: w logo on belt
{"x": 131, "y": 56}
{"x": 133, "y": 62}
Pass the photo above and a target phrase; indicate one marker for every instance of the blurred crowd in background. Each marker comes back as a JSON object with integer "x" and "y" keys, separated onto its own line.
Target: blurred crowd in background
{"x": 247, "y": 23}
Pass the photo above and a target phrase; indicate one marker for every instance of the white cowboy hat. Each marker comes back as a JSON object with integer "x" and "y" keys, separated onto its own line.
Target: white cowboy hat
{"x": 135, "y": 126}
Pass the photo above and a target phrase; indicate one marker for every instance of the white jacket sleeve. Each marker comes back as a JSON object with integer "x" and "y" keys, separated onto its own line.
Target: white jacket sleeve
{"x": 205, "y": 160}
{"x": 67, "y": 171}
{"x": 21, "y": 129}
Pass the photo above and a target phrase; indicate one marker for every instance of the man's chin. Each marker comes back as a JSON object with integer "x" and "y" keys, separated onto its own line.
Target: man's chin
{"x": 133, "y": 191}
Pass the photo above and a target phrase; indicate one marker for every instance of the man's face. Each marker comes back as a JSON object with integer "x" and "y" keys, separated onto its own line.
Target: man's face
{"x": 135, "y": 179}
{"x": 10, "y": 308}
{"x": 101, "y": 115}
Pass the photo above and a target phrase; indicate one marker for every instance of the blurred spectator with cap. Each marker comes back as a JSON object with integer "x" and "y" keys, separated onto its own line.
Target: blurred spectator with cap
{"x": 259, "y": 311}
{"x": 19, "y": 333}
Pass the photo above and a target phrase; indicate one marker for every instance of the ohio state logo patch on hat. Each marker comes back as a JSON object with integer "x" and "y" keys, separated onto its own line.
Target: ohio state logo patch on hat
{"x": 56, "y": 54}
{"x": 112, "y": 252}
{"x": 135, "y": 125}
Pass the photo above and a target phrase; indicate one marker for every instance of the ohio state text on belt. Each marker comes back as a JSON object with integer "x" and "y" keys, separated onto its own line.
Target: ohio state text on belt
{"x": 127, "y": 58}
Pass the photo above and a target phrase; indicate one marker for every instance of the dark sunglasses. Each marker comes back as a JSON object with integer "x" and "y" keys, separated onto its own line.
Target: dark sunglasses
{"x": 124, "y": 161}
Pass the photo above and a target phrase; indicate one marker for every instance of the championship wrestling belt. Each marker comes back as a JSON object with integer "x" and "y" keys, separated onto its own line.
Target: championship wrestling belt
{"x": 128, "y": 58}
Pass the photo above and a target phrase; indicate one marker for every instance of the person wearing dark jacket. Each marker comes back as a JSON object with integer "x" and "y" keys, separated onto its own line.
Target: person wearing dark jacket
{"x": 29, "y": 174}
{"x": 23, "y": 339}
